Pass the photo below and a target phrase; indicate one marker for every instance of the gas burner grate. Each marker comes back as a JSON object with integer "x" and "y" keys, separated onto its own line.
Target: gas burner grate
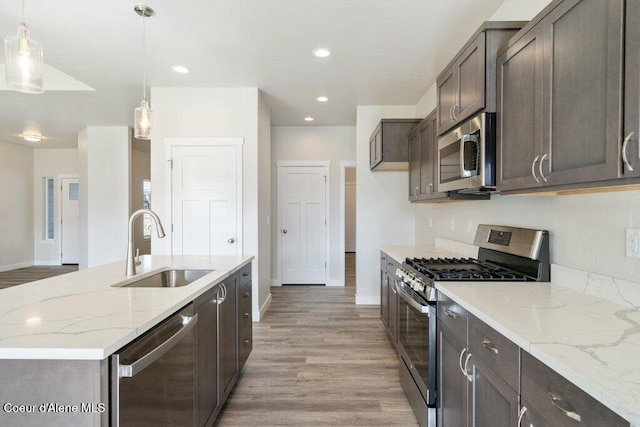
{"x": 462, "y": 269}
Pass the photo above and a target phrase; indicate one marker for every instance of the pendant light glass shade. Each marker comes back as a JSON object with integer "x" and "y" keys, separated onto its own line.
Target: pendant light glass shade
{"x": 143, "y": 115}
{"x": 24, "y": 62}
{"x": 143, "y": 120}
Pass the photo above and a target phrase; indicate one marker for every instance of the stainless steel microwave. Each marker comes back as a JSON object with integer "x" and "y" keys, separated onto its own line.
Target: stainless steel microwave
{"x": 467, "y": 157}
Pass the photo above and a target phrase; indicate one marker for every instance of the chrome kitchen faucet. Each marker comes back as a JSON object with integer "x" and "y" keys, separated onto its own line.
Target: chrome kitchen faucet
{"x": 131, "y": 265}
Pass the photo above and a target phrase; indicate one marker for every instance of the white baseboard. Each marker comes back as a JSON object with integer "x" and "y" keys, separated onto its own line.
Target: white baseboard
{"x": 276, "y": 282}
{"x": 47, "y": 263}
{"x": 367, "y": 300}
{"x": 260, "y": 314}
{"x": 334, "y": 282}
{"x": 14, "y": 266}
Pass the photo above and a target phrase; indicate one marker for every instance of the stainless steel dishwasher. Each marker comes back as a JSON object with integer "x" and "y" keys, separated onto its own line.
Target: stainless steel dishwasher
{"x": 153, "y": 378}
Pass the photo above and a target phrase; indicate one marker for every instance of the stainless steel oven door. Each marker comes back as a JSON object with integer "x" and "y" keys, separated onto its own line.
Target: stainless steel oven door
{"x": 417, "y": 339}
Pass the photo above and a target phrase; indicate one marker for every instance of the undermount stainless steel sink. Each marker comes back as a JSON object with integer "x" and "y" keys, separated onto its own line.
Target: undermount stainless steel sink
{"x": 168, "y": 279}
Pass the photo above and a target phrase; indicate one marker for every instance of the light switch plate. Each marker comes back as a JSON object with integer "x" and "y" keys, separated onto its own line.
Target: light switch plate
{"x": 633, "y": 243}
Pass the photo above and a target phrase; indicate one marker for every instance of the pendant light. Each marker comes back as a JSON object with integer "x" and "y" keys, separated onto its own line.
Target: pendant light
{"x": 24, "y": 61}
{"x": 143, "y": 117}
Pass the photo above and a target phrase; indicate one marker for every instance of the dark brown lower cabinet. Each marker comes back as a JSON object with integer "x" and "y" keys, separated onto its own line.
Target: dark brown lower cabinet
{"x": 550, "y": 400}
{"x": 206, "y": 307}
{"x": 453, "y": 385}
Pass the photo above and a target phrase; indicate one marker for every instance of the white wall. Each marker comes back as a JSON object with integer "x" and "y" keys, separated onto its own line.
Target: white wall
{"x": 16, "y": 211}
{"x": 587, "y": 231}
{"x": 212, "y": 112}
{"x": 49, "y": 163}
{"x": 327, "y": 143}
{"x": 104, "y": 156}
{"x": 384, "y": 215}
{"x": 264, "y": 204}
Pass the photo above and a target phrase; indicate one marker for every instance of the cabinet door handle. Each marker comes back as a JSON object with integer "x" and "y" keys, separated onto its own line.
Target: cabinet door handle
{"x": 466, "y": 371}
{"x": 568, "y": 412}
{"x": 246, "y": 315}
{"x": 451, "y": 113}
{"x": 624, "y": 153}
{"x": 429, "y": 192}
{"x": 533, "y": 168}
{"x": 463, "y": 369}
{"x": 246, "y": 294}
{"x": 540, "y": 167}
{"x": 521, "y": 415}
{"x": 455, "y": 112}
{"x": 246, "y": 343}
{"x": 415, "y": 192}
{"x": 245, "y": 274}
{"x": 488, "y": 345}
{"x": 451, "y": 314}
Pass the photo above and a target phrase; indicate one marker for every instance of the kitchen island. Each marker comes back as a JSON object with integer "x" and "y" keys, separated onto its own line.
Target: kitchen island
{"x": 56, "y": 335}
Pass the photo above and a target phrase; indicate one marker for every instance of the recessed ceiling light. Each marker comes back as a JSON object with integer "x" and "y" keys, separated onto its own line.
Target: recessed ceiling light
{"x": 180, "y": 69}
{"x": 308, "y": 119}
{"x": 321, "y": 52}
{"x": 322, "y": 99}
{"x": 32, "y": 137}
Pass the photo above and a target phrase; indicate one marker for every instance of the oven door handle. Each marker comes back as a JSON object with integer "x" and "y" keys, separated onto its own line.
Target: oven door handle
{"x": 424, "y": 309}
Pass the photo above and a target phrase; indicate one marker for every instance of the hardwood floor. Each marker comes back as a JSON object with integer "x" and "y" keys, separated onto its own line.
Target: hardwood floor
{"x": 318, "y": 359}
{"x": 31, "y": 274}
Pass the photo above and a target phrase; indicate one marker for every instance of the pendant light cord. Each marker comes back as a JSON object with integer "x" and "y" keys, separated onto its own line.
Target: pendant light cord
{"x": 144, "y": 60}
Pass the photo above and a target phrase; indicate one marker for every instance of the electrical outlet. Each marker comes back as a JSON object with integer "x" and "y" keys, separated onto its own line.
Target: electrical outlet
{"x": 430, "y": 222}
{"x": 633, "y": 243}
{"x": 453, "y": 224}
{"x": 469, "y": 226}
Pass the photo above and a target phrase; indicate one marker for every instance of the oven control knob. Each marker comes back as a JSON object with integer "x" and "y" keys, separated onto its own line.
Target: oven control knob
{"x": 420, "y": 286}
{"x": 398, "y": 273}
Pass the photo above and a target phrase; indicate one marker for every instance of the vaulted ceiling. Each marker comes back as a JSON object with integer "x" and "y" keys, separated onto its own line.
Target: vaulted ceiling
{"x": 385, "y": 52}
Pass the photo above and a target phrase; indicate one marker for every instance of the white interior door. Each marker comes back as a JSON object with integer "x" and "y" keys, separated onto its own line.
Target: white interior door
{"x": 70, "y": 221}
{"x": 302, "y": 206}
{"x": 205, "y": 200}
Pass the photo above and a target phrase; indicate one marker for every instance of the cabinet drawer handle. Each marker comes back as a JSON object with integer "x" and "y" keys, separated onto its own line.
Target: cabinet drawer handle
{"x": 569, "y": 413}
{"x": 246, "y": 294}
{"x": 451, "y": 314}
{"x": 544, "y": 178}
{"x": 489, "y": 346}
{"x": 624, "y": 153}
{"x": 521, "y": 415}
{"x": 246, "y": 315}
{"x": 247, "y": 343}
{"x": 245, "y": 274}
{"x": 533, "y": 169}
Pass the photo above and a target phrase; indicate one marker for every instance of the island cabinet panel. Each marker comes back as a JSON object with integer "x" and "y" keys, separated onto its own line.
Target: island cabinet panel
{"x": 560, "y": 98}
{"x": 59, "y": 385}
{"x": 245, "y": 318}
{"x": 551, "y": 400}
{"x": 453, "y": 384}
{"x": 207, "y": 354}
{"x": 228, "y": 338}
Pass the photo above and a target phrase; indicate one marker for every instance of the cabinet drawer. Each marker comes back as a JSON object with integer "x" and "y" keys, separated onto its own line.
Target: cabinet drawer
{"x": 500, "y": 354}
{"x": 245, "y": 344}
{"x": 558, "y": 401}
{"x": 244, "y": 275}
{"x": 453, "y": 316}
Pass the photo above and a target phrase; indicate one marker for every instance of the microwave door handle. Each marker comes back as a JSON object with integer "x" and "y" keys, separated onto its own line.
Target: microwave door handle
{"x": 467, "y": 138}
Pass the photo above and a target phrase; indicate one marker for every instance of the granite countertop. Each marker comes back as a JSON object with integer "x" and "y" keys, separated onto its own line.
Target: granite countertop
{"x": 593, "y": 343}
{"x": 81, "y": 316}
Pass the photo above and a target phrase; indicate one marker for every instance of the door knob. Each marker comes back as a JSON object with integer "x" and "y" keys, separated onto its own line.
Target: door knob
{"x": 232, "y": 240}
{"x": 284, "y": 231}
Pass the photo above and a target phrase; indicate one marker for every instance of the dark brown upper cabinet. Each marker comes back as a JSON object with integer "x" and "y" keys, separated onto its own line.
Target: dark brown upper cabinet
{"x": 422, "y": 154}
{"x": 388, "y": 148}
{"x": 560, "y": 99}
{"x": 467, "y": 84}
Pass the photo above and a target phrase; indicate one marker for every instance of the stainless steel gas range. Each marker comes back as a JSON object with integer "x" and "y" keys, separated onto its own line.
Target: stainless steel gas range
{"x": 504, "y": 254}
